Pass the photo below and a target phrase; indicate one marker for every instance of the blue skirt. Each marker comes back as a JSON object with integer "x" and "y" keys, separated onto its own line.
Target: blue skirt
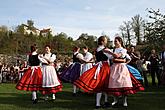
{"x": 72, "y": 73}
{"x": 135, "y": 72}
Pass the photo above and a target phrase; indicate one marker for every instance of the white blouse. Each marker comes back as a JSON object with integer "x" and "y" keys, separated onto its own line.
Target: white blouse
{"x": 122, "y": 51}
{"x": 79, "y": 55}
{"x": 88, "y": 56}
{"x": 51, "y": 57}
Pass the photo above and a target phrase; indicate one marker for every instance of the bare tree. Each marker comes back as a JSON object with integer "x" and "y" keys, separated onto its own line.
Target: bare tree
{"x": 137, "y": 26}
{"x": 126, "y": 32}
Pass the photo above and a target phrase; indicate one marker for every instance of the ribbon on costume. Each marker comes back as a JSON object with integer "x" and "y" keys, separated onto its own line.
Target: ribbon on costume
{"x": 33, "y": 68}
{"x": 98, "y": 69}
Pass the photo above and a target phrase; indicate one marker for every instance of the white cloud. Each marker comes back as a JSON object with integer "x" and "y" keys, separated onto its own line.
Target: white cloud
{"x": 88, "y": 8}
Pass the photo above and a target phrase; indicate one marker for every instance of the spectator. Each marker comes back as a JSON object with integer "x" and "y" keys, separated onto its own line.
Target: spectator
{"x": 142, "y": 66}
{"x": 154, "y": 67}
{"x": 134, "y": 57}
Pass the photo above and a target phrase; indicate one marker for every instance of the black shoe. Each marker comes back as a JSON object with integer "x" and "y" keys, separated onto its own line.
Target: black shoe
{"x": 52, "y": 100}
{"x": 79, "y": 92}
{"x": 116, "y": 105}
{"x": 97, "y": 107}
{"x": 74, "y": 94}
{"x": 35, "y": 101}
{"x": 106, "y": 105}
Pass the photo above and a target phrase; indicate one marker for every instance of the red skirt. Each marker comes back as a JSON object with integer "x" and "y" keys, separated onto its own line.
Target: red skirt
{"x": 137, "y": 86}
{"x": 89, "y": 83}
{"x": 31, "y": 80}
{"x": 52, "y": 90}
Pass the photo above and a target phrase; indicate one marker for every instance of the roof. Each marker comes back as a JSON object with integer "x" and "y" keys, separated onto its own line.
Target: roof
{"x": 45, "y": 30}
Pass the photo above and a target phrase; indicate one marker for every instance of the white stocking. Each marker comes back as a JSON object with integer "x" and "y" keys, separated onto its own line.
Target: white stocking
{"x": 54, "y": 96}
{"x": 34, "y": 95}
{"x": 106, "y": 97}
{"x": 125, "y": 101}
{"x": 74, "y": 89}
{"x": 98, "y": 98}
{"x": 115, "y": 100}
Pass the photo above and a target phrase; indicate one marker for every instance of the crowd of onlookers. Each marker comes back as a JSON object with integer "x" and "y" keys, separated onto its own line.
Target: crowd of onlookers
{"x": 12, "y": 73}
{"x": 9, "y": 73}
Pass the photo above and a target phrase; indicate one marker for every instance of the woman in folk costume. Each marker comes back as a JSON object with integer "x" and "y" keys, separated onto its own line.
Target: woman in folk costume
{"x": 50, "y": 82}
{"x": 88, "y": 59}
{"x": 73, "y": 72}
{"x": 96, "y": 78}
{"x": 121, "y": 81}
{"x": 32, "y": 78}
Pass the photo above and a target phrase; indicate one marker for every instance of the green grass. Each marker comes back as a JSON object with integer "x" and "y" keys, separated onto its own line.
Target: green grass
{"x": 152, "y": 98}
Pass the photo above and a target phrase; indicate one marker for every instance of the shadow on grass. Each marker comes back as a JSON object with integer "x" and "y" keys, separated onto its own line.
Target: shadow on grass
{"x": 64, "y": 100}
{"x": 151, "y": 99}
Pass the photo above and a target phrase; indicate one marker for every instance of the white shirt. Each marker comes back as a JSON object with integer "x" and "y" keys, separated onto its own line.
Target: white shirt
{"x": 79, "y": 55}
{"x": 122, "y": 51}
{"x": 88, "y": 56}
{"x": 51, "y": 57}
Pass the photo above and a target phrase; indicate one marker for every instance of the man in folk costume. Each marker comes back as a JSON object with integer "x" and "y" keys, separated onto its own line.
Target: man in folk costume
{"x": 50, "y": 82}
{"x": 32, "y": 78}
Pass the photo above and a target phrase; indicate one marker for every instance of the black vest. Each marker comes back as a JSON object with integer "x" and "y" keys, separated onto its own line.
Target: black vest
{"x": 33, "y": 60}
{"x": 100, "y": 56}
{"x": 75, "y": 59}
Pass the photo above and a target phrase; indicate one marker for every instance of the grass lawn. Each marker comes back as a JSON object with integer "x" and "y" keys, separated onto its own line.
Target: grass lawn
{"x": 153, "y": 98}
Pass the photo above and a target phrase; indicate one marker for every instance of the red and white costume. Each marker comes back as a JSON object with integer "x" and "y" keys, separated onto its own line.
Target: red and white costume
{"x": 50, "y": 82}
{"x": 121, "y": 81}
{"x": 32, "y": 78}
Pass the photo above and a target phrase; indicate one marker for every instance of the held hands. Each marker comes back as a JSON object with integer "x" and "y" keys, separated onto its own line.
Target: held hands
{"x": 107, "y": 51}
{"x": 40, "y": 56}
{"x": 119, "y": 60}
{"x": 47, "y": 60}
{"x": 44, "y": 59}
{"x": 111, "y": 53}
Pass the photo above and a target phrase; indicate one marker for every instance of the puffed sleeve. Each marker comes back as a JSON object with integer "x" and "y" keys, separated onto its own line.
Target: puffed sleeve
{"x": 123, "y": 52}
{"x": 40, "y": 57}
{"x": 88, "y": 57}
{"x": 52, "y": 58}
{"x": 128, "y": 57}
{"x": 108, "y": 55}
{"x": 80, "y": 56}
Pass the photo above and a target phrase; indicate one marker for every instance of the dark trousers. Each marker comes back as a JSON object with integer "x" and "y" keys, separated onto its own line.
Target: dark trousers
{"x": 145, "y": 78}
{"x": 155, "y": 70}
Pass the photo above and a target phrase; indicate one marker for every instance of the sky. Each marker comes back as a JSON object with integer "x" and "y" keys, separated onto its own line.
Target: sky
{"x": 74, "y": 17}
